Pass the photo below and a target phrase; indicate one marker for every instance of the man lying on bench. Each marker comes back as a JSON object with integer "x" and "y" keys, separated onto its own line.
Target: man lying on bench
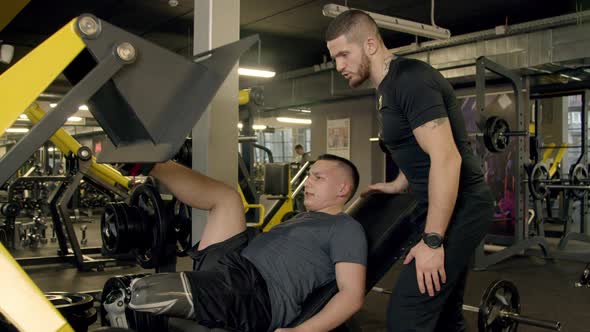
{"x": 260, "y": 283}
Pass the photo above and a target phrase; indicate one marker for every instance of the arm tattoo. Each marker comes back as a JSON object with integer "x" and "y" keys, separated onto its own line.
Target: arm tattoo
{"x": 434, "y": 123}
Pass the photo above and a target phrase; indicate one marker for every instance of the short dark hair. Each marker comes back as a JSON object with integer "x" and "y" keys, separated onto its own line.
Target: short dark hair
{"x": 354, "y": 24}
{"x": 298, "y": 146}
{"x": 347, "y": 164}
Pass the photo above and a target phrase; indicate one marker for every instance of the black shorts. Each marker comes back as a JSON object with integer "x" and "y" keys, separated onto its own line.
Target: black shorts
{"x": 228, "y": 291}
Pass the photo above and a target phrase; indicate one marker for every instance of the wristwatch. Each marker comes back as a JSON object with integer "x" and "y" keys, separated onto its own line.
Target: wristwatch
{"x": 433, "y": 240}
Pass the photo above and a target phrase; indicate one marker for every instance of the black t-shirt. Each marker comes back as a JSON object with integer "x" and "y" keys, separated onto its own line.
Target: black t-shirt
{"x": 412, "y": 94}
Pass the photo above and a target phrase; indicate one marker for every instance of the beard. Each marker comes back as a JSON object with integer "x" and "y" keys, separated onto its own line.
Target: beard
{"x": 363, "y": 72}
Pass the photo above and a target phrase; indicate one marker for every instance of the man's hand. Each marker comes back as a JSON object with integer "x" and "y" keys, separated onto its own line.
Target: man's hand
{"x": 382, "y": 187}
{"x": 430, "y": 267}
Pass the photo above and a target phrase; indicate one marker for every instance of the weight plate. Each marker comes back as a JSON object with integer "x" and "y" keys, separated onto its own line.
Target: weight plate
{"x": 537, "y": 175}
{"x": 493, "y": 134}
{"x": 584, "y": 278}
{"x": 578, "y": 177}
{"x": 113, "y": 228}
{"x": 70, "y": 303}
{"x": 153, "y": 218}
{"x": 182, "y": 221}
{"x": 10, "y": 209}
{"x": 500, "y": 296}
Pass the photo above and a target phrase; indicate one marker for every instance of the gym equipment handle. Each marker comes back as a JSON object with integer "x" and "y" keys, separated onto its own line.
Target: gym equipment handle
{"x": 515, "y": 133}
{"x": 545, "y": 324}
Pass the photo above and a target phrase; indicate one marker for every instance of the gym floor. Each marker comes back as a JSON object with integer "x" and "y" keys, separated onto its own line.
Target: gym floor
{"x": 545, "y": 286}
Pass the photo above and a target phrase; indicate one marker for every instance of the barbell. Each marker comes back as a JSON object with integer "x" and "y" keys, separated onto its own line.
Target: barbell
{"x": 540, "y": 183}
{"x": 496, "y": 134}
{"x": 499, "y": 309}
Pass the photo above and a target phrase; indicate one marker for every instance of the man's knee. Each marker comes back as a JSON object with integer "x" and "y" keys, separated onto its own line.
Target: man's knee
{"x": 163, "y": 294}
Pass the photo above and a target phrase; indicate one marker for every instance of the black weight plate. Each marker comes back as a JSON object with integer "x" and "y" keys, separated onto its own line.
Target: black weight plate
{"x": 81, "y": 322}
{"x": 70, "y": 303}
{"x": 113, "y": 228}
{"x": 182, "y": 221}
{"x": 578, "y": 177}
{"x": 501, "y": 295}
{"x": 10, "y": 209}
{"x": 493, "y": 137}
{"x": 147, "y": 199}
{"x": 538, "y": 173}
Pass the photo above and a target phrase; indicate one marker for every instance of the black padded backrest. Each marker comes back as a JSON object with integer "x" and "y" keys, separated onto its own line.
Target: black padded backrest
{"x": 391, "y": 223}
{"x": 276, "y": 179}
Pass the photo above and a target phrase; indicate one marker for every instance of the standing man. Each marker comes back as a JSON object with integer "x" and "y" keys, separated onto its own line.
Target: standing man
{"x": 423, "y": 128}
{"x": 301, "y": 157}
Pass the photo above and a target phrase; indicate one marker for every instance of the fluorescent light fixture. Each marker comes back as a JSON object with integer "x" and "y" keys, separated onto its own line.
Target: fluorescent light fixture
{"x": 258, "y": 127}
{"x": 17, "y": 130}
{"x": 256, "y": 72}
{"x": 305, "y": 111}
{"x": 570, "y": 77}
{"x": 240, "y": 125}
{"x": 81, "y": 108}
{"x": 294, "y": 120}
{"x": 394, "y": 23}
{"x": 23, "y": 117}
{"x": 74, "y": 119}
{"x": 374, "y": 139}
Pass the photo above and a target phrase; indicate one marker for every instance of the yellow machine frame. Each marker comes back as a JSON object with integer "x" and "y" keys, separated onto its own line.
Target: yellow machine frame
{"x": 16, "y": 286}
{"x": 103, "y": 173}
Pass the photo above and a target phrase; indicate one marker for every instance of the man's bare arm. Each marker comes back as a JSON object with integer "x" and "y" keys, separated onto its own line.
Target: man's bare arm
{"x": 350, "y": 278}
{"x": 436, "y": 139}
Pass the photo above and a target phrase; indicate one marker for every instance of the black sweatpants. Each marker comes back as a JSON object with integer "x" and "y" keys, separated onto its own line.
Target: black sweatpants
{"x": 411, "y": 311}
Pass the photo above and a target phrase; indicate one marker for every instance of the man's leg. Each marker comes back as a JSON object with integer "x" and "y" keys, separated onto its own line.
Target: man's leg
{"x": 163, "y": 294}
{"x": 411, "y": 311}
{"x": 226, "y": 211}
{"x": 451, "y": 318}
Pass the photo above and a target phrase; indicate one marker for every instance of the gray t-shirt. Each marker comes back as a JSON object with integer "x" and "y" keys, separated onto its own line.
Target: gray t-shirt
{"x": 298, "y": 256}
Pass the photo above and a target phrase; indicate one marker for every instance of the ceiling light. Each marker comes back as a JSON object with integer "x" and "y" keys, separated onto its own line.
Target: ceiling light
{"x": 240, "y": 125}
{"x": 305, "y": 111}
{"x": 394, "y": 23}
{"x": 81, "y": 108}
{"x": 23, "y": 117}
{"x": 256, "y": 72}
{"x": 570, "y": 77}
{"x": 17, "y": 130}
{"x": 74, "y": 119}
{"x": 294, "y": 120}
{"x": 258, "y": 127}
{"x": 374, "y": 139}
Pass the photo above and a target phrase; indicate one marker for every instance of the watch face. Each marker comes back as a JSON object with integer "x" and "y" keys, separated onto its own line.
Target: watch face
{"x": 433, "y": 240}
